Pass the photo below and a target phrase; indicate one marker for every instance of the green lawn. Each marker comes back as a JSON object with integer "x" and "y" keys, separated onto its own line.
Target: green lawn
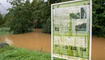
{"x": 13, "y": 53}
{"x": 4, "y": 31}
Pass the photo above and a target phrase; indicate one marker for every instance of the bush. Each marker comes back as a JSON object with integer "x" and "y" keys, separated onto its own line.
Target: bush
{"x": 99, "y": 17}
{"x": 1, "y": 20}
{"x": 22, "y": 21}
{"x": 47, "y": 26}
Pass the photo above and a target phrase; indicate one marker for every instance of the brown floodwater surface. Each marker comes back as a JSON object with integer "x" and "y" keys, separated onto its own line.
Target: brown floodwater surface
{"x": 33, "y": 41}
{"x": 40, "y": 41}
{"x": 98, "y": 48}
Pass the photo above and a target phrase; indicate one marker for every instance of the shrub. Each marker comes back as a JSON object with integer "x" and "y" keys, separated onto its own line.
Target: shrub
{"x": 22, "y": 21}
{"x": 47, "y": 26}
{"x": 99, "y": 17}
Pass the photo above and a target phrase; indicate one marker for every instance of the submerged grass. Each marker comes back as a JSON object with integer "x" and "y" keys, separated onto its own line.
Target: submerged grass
{"x": 13, "y": 53}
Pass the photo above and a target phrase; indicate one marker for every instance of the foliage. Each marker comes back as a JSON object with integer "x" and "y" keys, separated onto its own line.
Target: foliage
{"x": 22, "y": 20}
{"x": 46, "y": 18}
{"x": 14, "y": 53}
{"x": 7, "y": 19}
{"x": 4, "y": 31}
{"x": 42, "y": 13}
{"x": 45, "y": 13}
{"x": 56, "y": 1}
{"x": 47, "y": 26}
{"x": 1, "y": 20}
{"x": 22, "y": 15}
{"x": 36, "y": 9}
{"x": 99, "y": 17}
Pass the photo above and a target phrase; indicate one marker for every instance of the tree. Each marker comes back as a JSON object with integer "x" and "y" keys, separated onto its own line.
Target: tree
{"x": 99, "y": 17}
{"x": 1, "y": 18}
{"x": 41, "y": 12}
{"x": 45, "y": 13}
{"x": 46, "y": 18}
{"x": 24, "y": 13}
{"x": 22, "y": 20}
{"x": 7, "y": 19}
{"x": 47, "y": 26}
{"x": 36, "y": 9}
{"x": 56, "y": 1}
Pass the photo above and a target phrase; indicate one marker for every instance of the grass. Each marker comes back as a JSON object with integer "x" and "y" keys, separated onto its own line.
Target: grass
{"x": 4, "y": 31}
{"x": 14, "y": 53}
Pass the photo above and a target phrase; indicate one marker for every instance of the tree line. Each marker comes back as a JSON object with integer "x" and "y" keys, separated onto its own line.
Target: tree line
{"x": 23, "y": 13}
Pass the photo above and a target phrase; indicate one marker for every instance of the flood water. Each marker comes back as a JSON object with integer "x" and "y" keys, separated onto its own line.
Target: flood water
{"x": 40, "y": 41}
{"x": 33, "y": 41}
{"x": 98, "y": 48}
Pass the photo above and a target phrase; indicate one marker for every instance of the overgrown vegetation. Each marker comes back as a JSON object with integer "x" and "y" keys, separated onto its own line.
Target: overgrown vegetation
{"x": 21, "y": 16}
{"x": 56, "y": 1}
{"x": 99, "y": 17}
{"x": 1, "y": 20}
{"x": 47, "y": 26}
{"x": 22, "y": 19}
{"x": 25, "y": 16}
{"x": 14, "y": 53}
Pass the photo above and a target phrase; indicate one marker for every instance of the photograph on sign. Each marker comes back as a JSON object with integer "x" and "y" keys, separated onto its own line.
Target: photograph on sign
{"x": 71, "y": 30}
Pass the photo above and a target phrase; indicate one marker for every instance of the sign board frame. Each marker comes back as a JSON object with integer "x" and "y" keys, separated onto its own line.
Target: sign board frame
{"x": 90, "y": 7}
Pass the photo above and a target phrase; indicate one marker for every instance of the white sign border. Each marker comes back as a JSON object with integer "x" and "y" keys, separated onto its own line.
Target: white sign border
{"x": 90, "y": 54}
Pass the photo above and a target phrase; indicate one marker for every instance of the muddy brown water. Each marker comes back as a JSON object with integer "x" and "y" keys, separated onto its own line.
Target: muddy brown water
{"x": 33, "y": 41}
{"x": 41, "y": 41}
{"x": 98, "y": 48}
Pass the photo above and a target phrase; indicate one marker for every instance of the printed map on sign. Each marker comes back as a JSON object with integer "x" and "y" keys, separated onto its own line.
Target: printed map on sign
{"x": 71, "y": 30}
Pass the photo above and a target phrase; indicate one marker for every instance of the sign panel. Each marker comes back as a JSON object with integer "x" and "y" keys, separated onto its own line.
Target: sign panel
{"x": 71, "y": 30}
